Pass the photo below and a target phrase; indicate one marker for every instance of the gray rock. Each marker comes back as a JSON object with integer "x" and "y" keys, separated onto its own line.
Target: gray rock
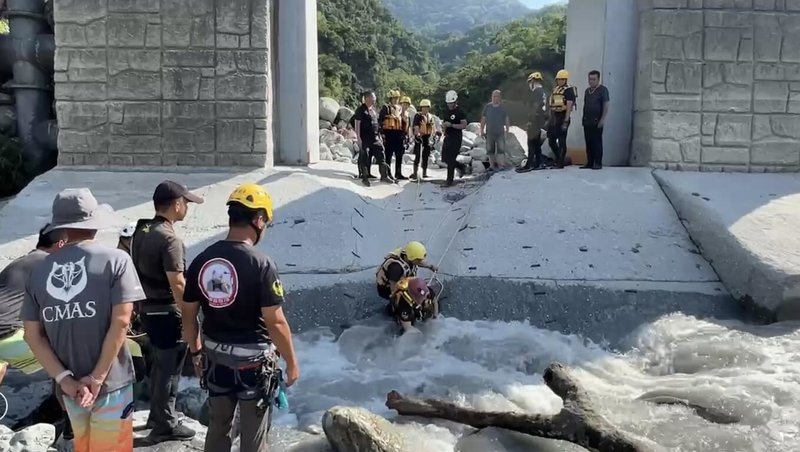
{"x": 36, "y": 438}
{"x": 325, "y": 152}
{"x": 517, "y": 145}
{"x": 358, "y": 430}
{"x": 25, "y": 394}
{"x": 344, "y": 114}
{"x": 499, "y": 440}
{"x": 465, "y": 159}
{"x": 328, "y": 109}
{"x": 478, "y": 153}
{"x": 474, "y": 128}
{"x": 324, "y": 125}
{"x": 469, "y": 136}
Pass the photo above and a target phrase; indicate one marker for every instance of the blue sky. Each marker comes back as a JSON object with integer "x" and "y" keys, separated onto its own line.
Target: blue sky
{"x": 536, "y": 4}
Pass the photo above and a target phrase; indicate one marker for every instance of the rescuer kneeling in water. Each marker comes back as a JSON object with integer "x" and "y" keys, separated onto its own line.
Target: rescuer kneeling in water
{"x": 401, "y": 263}
{"x": 412, "y": 301}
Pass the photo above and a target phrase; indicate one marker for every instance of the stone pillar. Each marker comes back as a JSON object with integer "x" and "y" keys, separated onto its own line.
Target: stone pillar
{"x": 298, "y": 97}
{"x": 160, "y": 83}
{"x": 601, "y": 35}
{"x": 718, "y": 85}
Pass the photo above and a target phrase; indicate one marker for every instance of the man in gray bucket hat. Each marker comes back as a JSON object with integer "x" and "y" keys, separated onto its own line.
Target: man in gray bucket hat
{"x": 75, "y": 313}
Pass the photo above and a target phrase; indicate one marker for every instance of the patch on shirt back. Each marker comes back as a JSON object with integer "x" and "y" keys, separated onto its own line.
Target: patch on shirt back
{"x": 218, "y": 282}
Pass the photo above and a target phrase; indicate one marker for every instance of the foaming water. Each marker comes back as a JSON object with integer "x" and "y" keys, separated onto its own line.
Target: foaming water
{"x": 750, "y": 373}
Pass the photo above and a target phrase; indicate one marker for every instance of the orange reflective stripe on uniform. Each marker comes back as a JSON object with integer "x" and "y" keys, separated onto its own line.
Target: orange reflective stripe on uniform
{"x": 426, "y": 125}
{"x": 393, "y": 119}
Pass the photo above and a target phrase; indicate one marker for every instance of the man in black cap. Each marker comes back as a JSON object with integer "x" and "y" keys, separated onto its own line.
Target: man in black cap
{"x": 160, "y": 259}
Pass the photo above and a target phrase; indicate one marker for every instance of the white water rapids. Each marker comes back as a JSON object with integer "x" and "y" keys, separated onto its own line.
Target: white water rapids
{"x": 750, "y": 372}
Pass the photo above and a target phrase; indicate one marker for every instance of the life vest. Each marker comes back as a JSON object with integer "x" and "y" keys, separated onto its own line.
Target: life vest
{"x": 558, "y": 101}
{"x": 426, "y": 124}
{"x": 382, "y": 275}
{"x": 394, "y": 118}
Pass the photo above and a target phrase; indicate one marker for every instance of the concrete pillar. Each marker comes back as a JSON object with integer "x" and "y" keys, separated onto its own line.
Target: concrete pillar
{"x": 297, "y": 106}
{"x": 602, "y": 35}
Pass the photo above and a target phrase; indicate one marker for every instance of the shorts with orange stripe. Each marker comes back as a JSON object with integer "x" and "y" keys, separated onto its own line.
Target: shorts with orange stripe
{"x": 106, "y": 426}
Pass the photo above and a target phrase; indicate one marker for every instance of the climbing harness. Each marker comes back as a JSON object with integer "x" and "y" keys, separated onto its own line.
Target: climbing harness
{"x": 261, "y": 358}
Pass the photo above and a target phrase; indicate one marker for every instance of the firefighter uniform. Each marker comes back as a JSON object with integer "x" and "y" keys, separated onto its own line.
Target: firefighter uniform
{"x": 392, "y": 128}
{"x": 558, "y": 123}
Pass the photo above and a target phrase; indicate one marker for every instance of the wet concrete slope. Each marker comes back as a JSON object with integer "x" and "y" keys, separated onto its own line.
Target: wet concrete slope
{"x": 596, "y": 253}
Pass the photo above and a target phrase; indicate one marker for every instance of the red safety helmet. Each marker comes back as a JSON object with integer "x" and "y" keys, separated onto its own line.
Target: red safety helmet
{"x": 418, "y": 289}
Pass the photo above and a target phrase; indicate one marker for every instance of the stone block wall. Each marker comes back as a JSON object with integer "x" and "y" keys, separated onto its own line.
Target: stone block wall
{"x": 163, "y": 82}
{"x": 718, "y": 85}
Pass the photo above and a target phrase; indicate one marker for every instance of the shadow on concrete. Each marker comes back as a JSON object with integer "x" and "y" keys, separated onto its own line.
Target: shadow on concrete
{"x": 334, "y": 287}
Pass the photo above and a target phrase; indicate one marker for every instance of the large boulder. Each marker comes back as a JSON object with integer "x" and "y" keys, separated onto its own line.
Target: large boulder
{"x": 344, "y": 114}
{"x": 358, "y": 430}
{"x": 465, "y": 159}
{"x": 341, "y": 150}
{"x": 324, "y": 125}
{"x": 467, "y": 143}
{"x": 328, "y": 109}
{"x": 325, "y": 152}
{"x": 516, "y": 145}
{"x": 470, "y": 136}
{"x": 473, "y": 127}
{"x": 478, "y": 154}
{"x": 36, "y": 438}
{"x": 479, "y": 142}
{"x": 330, "y": 137}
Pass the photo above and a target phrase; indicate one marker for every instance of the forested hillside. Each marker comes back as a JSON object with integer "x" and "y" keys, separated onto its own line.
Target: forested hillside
{"x": 361, "y": 45}
{"x": 453, "y": 16}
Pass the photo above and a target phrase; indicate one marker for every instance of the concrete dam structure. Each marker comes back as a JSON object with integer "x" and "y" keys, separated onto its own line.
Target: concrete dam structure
{"x": 710, "y": 85}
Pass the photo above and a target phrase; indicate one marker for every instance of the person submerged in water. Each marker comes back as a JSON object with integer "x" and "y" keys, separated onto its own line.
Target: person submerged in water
{"x": 413, "y": 301}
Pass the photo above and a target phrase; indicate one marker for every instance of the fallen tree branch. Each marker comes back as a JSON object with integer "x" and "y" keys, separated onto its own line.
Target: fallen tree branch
{"x": 577, "y": 422}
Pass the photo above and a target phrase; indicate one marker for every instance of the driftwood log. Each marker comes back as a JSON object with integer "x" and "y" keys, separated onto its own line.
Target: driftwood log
{"x": 577, "y": 422}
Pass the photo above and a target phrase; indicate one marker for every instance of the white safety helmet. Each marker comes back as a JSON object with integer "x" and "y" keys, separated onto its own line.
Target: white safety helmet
{"x": 127, "y": 231}
{"x": 451, "y": 97}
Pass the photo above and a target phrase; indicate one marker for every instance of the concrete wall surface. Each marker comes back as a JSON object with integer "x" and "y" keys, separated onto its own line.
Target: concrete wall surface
{"x": 718, "y": 85}
{"x": 601, "y": 35}
{"x": 163, "y": 83}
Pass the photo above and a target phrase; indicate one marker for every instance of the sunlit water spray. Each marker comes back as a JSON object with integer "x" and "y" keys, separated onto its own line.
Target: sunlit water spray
{"x": 749, "y": 372}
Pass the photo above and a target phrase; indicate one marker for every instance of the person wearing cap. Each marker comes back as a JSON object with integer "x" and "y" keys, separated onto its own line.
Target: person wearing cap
{"x": 240, "y": 293}
{"x": 537, "y": 117}
{"x": 159, "y": 256}
{"x": 75, "y": 314}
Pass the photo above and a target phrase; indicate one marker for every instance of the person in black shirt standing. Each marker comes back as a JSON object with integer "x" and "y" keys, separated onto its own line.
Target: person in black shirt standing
{"x": 595, "y": 111}
{"x": 537, "y": 117}
{"x": 369, "y": 140}
{"x": 240, "y": 293}
{"x": 159, "y": 257}
{"x": 455, "y": 121}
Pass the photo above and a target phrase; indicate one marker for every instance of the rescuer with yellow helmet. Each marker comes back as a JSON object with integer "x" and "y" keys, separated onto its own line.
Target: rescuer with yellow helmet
{"x": 424, "y": 126}
{"x": 537, "y": 118}
{"x": 394, "y": 133}
{"x": 239, "y": 290}
{"x": 401, "y": 263}
{"x": 562, "y": 102}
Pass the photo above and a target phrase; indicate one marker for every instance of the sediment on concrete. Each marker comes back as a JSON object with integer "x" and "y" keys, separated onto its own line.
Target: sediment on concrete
{"x": 745, "y": 226}
{"x": 602, "y": 312}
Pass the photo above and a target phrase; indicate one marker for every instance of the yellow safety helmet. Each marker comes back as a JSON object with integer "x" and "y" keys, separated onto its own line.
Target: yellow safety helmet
{"x": 252, "y": 196}
{"x": 415, "y": 251}
{"x": 394, "y": 93}
{"x": 405, "y": 100}
{"x": 535, "y": 76}
{"x": 425, "y": 103}
{"x": 562, "y": 75}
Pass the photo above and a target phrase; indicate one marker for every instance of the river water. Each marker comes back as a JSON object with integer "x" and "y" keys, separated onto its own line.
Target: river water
{"x": 749, "y": 372}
